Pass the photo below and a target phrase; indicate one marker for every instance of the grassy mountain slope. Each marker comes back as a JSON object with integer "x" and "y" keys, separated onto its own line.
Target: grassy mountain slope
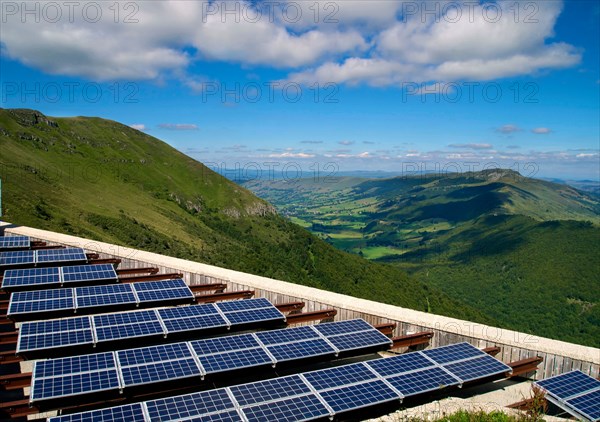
{"x": 102, "y": 180}
{"x": 522, "y": 250}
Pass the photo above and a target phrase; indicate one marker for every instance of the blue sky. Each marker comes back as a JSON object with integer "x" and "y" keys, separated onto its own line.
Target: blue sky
{"x": 362, "y": 85}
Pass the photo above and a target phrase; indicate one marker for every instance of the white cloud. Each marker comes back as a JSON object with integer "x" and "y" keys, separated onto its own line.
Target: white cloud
{"x": 371, "y": 43}
{"x": 472, "y": 146}
{"x": 292, "y": 155}
{"x": 139, "y": 126}
{"x": 346, "y": 143}
{"x": 508, "y": 129}
{"x": 178, "y": 126}
{"x": 541, "y": 131}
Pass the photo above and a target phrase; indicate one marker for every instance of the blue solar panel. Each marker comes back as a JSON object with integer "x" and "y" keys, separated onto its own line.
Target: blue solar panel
{"x": 189, "y": 405}
{"x": 116, "y": 332}
{"x": 31, "y": 277}
{"x": 587, "y": 405}
{"x": 477, "y": 368}
{"x": 263, "y": 391}
{"x": 303, "y": 408}
{"x": 124, "y": 318}
{"x": 103, "y": 300}
{"x": 47, "y": 388}
{"x": 359, "y": 340}
{"x": 302, "y": 349}
{"x": 60, "y": 255}
{"x": 70, "y": 365}
{"x": 162, "y": 295}
{"x": 188, "y": 311}
{"x": 359, "y": 395}
{"x": 41, "y": 306}
{"x": 13, "y": 258}
{"x": 255, "y": 315}
{"x": 246, "y": 304}
{"x": 567, "y": 385}
{"x": 7, "y": 242}
{"x": 422, "y": 381}
{"x": 103, "y": 290}
{"x": 160, "y": 371}
{"x": 80, "y": 273}
{"x": 343, "y": 327}
{"x": 54, "y": 326}
{"x": 128, "y": 412}
{"x": 454, "y": 352}
{"x": 152, "y": 354}
{"x": 54, "y": 340}
{"x": 338, "y": 376}
{"x": 36, "y": 295}
{"x": 287, "y": 335}
{"x": 229, "y": 361}
{"x": 195, "y": 323}
{"x": 227, "y": 416}
{"x": 400, "y": 364}
{"x": 159, "y": 285}
{"x": 224, "y": 344}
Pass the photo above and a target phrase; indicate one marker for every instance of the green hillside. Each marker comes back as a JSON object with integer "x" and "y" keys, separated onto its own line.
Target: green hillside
{"x": 524, "y": 251}
{"x": 102, "y": 180}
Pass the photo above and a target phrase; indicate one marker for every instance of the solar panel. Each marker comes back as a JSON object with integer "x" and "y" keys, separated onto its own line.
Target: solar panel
{"x": 286, "y": 335}
{"x": 159, "y": 285}
{"x": 343, "y": 327}
{"x": 338, "y": 376}
{"x": 31, "y": 277}
{"x": 9, "y": 259}
{"x": 400, "y": 364}
{"x": 54, "y": 326}
{"x": 117, "y": 332}
{"x": 128, "y": 412}
{"x": 188, "y": 311}
{"x": 254, "y": 315}
{"x": 160, "y": 371}
{"x": 224, "y": 344}
{"x": 303, "y": 408}
{"x": 81, "y": 273}
{"x": 74, "y": 376}
{"x": 10, "y": 242}
{"x": 575, "y": 392}
{"x": 359, "y": 395}
{"x": 227, "y": 416}
{"x": 60, "y": 255}
{"x": 422, "y": 381}
{"x": 229, "y": 361}
{"x": 40, "y": 335}
{"x": 302, "y": 349}
{"x": 269, "y": 390}
{"x": 477, "y": 368}
{"x": 587, "y": 405}
{"x": 243, "y": 305}
{"x": 121, "y": 318}
{"x": 195, "y": 323}
{"x": 359, "y": 340}
{"x": 452, "y": 353}
{"x": 145, "y": 355}
{"x": 189, "y": 405}
{"x": 569, "y": 384}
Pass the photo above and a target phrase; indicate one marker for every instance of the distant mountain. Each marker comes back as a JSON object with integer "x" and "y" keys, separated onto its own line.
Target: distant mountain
{"x": 523, "y": 250}
{"x": 103, "y": 180}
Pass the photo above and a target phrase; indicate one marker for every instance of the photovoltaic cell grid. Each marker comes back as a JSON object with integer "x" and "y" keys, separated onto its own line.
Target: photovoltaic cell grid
{"x": 575, "y": 392}
{"x": 35, "y": 301}
{"x": 12, "y": 242}
{"x": 41, "y": 257}
{"x": 47, "y": 276}
{"x": 310, "y": 395}
{"x": 40, "y": 335}
{"x": 196, "y": 358}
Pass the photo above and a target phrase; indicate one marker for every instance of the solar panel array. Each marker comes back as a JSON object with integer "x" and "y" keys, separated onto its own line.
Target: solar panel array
{"x": 312, "y": 395}
{"x": 42, "y": 257}
{"x": 575, "y": 392}
{"x": 197, "y": 358}
{"x": 14, "y": 242}
{"x": 37, "y": 336}
{"x": 57, "y": 276}
{"x": 27, "y": 304}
